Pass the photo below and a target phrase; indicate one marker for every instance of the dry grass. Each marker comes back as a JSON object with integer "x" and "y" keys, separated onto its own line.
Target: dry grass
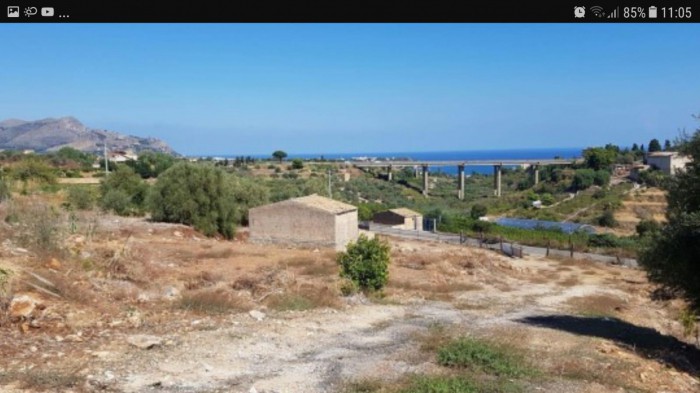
{"x": 305, "y": 297}
{"x": 466, "y": 305}
{"x": 581, "y": 363}
{"x": 596, "y": 305}
{"x": 247, "y": 283}
{"x": 202, "y": 280}
{"x": 569, "y": 282}
{"x": 217, "y": 254}
{"x": 72, "y": 288}
{"x": 38, "y": 379}
{"x": 37, "y": 226}
{"x": 435, "y": 337}
{"x": 214, "y": 301}
{"x": 320, "y": 269}
{"x": 543, "y": 277}
{"x": 419, "y": 262}
{"x": 300, "y": 261}
{"x": 503, "y": 287}
{"x": 442, "y": 287}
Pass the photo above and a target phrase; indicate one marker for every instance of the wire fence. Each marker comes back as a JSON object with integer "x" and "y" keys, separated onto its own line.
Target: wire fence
{"x": 504, "y": 246}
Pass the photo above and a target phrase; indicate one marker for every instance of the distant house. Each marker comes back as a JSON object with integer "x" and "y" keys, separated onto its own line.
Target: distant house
{"x": 400, "y": 218}
{"x": 310, "y": 221}
{"x": 121, "y": 156}
{"x": 667, "y": 161}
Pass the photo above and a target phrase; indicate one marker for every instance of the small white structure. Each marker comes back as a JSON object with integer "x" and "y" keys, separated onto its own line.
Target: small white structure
{"x": 122, "y": 156}
{"x": 668, "y": 162}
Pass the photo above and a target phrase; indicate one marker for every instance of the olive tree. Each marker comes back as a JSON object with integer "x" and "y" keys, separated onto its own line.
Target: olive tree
{"x": 199, "y": 195}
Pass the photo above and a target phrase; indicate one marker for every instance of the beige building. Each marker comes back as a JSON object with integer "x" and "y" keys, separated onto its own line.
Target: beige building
{"x": 667, "y": 161}
{"x": 310, "y": 221}
{"x": 400, "y": 218}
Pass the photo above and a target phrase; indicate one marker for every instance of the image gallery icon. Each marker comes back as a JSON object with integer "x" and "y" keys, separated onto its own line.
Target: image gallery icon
{"x": 579, "y": 12}
{"x": 13, "y": 11}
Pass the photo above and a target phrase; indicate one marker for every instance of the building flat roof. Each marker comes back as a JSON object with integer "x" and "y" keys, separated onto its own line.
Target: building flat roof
{"x": 663, "y": 153}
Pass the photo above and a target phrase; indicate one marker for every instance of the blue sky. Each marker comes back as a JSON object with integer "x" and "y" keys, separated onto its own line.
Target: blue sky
{"x": 325, "y": 88}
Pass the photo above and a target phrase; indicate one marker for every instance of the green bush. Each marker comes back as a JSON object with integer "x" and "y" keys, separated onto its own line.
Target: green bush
{"x": 600, "y": 194}
{"x": 603, "y": 240}
{"x": 81, "y": 198}
{"x": 547, "y": 199}
{"x": 647, "y": 228}
{"x": 583, "y": 179}
{"x": 607, "y": 219}
{"x": 365, "y": 211}
{"x": 248, "y": 193}
{"x": 653, "y": 178}
{"x": 199, "y": 195}
{"x": 601, "y": 178}
{"x": 297, "y": 163}
{"x": 366, "y": 263}
{"x": 151, "y": 164}
{"x": 123, "y": 192}
{"x": 117, "y": 201}
{"x": 478, "y": 210}
{"x": 482, "y": 226}
{"x": 482, "y": 356}
{"x": 34, "y": 168}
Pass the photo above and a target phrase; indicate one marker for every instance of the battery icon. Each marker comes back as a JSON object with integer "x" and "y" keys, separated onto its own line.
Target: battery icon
{"x": 652, "y": 12}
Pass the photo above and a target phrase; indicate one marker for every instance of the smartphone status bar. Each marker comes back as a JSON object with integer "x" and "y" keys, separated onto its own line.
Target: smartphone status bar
{"x": 358, "y": 11}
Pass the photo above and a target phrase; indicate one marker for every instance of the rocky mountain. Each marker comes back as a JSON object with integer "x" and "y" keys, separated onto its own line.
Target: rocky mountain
{"x": 53, "y": 134}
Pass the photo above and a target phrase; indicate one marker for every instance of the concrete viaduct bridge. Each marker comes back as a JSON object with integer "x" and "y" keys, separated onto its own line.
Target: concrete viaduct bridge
{"x": 534, "y": 166}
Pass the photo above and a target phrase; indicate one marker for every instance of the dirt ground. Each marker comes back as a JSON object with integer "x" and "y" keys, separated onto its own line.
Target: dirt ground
{"x": 134, "y": 306}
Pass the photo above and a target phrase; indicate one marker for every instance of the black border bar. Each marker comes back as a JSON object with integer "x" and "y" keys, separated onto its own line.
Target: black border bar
{"x": 341, "y": 11}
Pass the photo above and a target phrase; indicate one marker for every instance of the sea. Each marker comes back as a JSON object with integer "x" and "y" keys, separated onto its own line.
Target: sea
{"x": 427, "y": 156}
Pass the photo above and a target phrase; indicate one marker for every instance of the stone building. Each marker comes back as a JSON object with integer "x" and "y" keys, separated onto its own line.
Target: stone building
{"x": 400, "y": 218}
{"x": 310, "y": 221}
{"x": 667, "y": 161}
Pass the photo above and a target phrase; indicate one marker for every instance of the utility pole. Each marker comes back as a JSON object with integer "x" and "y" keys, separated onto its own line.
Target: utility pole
{"x": 330, "y": 192}
{"x": 106, "y": 161}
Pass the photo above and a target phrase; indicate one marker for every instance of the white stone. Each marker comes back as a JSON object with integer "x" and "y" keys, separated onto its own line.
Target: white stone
{"x": 257, "y": 315}
{"x": 144, "y": 341}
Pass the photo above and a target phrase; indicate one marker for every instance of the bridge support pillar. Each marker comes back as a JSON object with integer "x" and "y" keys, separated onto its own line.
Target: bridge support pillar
{"x": 415, "y": 171}
{"x": 389, "y": 173}
{"x": 425, "y": 180}
{"x": 497, "y": 180}
{"x": 460, "y": 180}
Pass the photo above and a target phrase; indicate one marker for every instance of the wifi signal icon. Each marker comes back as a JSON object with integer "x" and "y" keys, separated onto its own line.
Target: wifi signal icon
{"x": 597, "y": 11}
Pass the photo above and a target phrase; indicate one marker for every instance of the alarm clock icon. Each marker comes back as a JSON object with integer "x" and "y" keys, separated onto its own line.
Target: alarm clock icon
{"x": 579, "y": 12}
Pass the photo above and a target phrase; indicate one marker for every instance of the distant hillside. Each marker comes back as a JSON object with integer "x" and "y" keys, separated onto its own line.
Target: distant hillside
{"x": 53, "y": 134}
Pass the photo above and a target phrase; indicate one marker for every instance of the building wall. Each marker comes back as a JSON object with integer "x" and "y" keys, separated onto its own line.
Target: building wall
{"x": 413, "y": 223}
{"x": 679, "y": 163}
{"x": 293, "y": 224}
{"x": 668, "y": 164}
{"x": 398, "y": 221}
{"x": 388, "y": 218}
{"x": 301, "y": 226}
{"x": 662, "y": 163}
{"x": 346, "y": 229}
